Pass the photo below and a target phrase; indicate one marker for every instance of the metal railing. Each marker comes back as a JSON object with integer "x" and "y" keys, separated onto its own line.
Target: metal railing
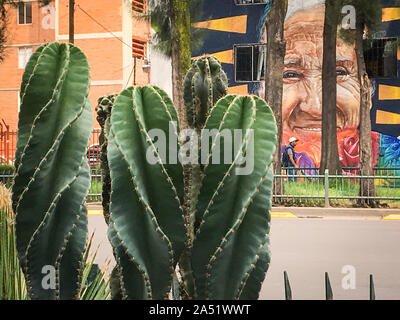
{"x": 309, "y": 188}
{"x": 306, "y": 186}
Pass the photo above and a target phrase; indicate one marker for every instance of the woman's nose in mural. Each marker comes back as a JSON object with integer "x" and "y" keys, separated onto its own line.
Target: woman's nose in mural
{"x": 306, "y": 117}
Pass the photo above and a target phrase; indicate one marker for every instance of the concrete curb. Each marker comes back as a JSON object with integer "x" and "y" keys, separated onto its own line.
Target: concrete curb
{"x": 358, "y": 213}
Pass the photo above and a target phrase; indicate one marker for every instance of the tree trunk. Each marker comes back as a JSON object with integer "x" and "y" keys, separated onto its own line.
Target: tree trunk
{"x": 180, "y": 53}
{"x": 329, "y": 149}
{"x": 367, "y": 186}
{"x": 276, "y": 49}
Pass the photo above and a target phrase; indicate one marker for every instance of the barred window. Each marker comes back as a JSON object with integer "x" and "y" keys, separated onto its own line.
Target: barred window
{"x": 381, "y": 57}
{"x": 249, "y": 62}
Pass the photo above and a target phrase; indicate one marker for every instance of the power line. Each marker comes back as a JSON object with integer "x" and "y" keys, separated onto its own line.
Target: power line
{"x": 113, "y": 34}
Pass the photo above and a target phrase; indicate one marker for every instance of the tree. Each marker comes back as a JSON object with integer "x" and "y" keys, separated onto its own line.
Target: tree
{"x": 276, "y": 48}
{"x": 4, "y": 4}
{"x": 368, "y": 19}
{"x": 368, "y": 15}
{"x": 175, "y": 38}
{"x": 329, "y": 150}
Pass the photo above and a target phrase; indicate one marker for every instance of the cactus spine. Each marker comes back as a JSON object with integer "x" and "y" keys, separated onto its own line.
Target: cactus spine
{"x": 103, "y": 109}
{"x": 52, "y": 174}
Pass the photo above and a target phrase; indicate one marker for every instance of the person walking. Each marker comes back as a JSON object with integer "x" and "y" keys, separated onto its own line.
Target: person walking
{"x": 289, "y": 159}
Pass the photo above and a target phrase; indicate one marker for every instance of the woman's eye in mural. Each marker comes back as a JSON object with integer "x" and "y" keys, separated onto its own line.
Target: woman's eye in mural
{"x": 292, "y": 76}
{"x": 341, "y": 73}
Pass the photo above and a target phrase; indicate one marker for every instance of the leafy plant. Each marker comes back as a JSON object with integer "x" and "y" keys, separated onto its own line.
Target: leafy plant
{"x": 12, "y": 282}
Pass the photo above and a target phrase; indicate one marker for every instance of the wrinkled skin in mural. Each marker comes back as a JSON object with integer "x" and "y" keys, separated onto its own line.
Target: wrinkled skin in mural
{"x": 302, "y": 90}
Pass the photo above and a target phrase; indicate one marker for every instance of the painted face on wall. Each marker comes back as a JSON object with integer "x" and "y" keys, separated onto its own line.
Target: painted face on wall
{"x": 302, "y": 77}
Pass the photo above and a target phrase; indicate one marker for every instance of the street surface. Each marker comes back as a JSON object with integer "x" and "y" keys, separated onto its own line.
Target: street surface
{"x": 308, "y": 247}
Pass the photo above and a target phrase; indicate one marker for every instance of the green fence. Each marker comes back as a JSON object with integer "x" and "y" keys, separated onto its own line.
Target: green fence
{"x": 309, "y": 189}
{"x": 305, "y": 186}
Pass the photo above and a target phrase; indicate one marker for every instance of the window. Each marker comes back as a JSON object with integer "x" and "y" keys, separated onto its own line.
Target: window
{"x": 139, "y": 48}
{"x": 249, "y": 62}
{"x": 25, "y": 13}
{"x": 24, "y": 53}
{"x": 381, "y": 57}
{"x": 139, "y": 6}
{"x": 244, "y": 2}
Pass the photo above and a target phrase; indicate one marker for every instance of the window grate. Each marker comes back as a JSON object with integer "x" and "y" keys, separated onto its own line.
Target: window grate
{"x": 381, "y": 57}
{"x": 249, "y": 62}
{"x": 246, "y": 2}
{"x": 139, "y": 6}
{"x": 139, "y": 48}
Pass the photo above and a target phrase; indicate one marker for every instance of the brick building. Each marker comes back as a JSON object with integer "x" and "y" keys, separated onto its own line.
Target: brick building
{"x": 108, "y": 31}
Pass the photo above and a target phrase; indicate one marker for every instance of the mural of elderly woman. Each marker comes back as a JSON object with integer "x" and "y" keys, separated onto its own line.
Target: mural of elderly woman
{"x": 302, "y": 86}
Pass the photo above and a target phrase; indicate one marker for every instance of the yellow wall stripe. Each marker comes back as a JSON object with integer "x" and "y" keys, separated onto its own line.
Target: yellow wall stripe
{"x": 390, "y": 14}
{"x": 242, "y": 90}
{"x": 232, "y": 24}
{"x": 384, "y": 117}
{"x": 389, "y": 92}
{"x": 222, "y": 56}
{"x": 398, "y": 53}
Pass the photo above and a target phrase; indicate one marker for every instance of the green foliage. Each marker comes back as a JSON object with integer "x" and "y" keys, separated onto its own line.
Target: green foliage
{"x": 204, "y": 84}
{"x": 160, "y": 17}
{"x": 12, "y": 282}
{"x": 52, "y": 173}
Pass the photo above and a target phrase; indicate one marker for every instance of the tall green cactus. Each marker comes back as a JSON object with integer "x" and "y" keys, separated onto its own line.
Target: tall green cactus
{"x": 103, "y": 110}
{"x": 230, "y": 251}
{"x": 52, "y": 173}
{"x": 146, "y": 228}
{"x": 204, "y": 84}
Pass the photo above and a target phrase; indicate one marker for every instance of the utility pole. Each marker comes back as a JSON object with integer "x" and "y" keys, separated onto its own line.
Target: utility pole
{"x": 71, "y": 20}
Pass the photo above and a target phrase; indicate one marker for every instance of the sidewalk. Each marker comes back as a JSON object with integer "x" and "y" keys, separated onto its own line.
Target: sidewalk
{"x": 95, "y": 208}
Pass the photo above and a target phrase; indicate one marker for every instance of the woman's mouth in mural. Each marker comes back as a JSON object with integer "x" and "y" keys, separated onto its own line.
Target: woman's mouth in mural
{"x": 303, "y": 124}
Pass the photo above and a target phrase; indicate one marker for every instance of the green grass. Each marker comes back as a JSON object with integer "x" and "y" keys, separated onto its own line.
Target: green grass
{"x": 346, "y": 187}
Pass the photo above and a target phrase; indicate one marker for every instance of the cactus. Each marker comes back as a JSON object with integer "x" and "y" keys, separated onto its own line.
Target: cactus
{"x": 103, "y": 110}
{"x": 230, "y": 250}
{"x": 146, "y": 229}
{"x": 52, "y": 173}
{"x": 204, "y": 84}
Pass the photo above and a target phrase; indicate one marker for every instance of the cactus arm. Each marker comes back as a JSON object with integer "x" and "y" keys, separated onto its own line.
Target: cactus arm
{"x": 225, "y": 198}
{"x": 103, "y": 109}
{"x": 70, "y": 259}
{"x": 169, "y": 104}
{"x": 204, "y": 84}
{"x": 52, "y": 180}
{"x": 145, "y": 224}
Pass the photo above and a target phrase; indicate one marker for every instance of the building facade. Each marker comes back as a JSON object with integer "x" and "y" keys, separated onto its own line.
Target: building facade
{"x": 236, "y": 36}
{"x": 110, "y": 32}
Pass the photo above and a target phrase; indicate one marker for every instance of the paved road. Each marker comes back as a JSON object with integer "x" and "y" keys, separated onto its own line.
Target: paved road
{"x": 306, "y": 248}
